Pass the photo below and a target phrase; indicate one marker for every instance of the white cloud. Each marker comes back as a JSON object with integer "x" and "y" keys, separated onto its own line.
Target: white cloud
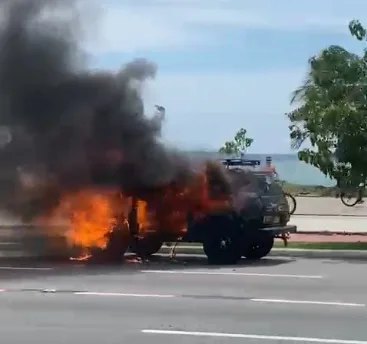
{"x": 124, "y": 29}
{"x": 131, "y": 25}
{"x": 161, "y": 24}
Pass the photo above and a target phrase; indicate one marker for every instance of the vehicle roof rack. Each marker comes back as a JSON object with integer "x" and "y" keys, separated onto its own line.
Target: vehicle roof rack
{"x": 240, "y": 162}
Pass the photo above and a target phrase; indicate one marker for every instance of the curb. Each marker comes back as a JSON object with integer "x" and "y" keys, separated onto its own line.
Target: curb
{"x": 328, "y": 215}
{"x": 329, "y": 233}
{"x": 286, "y": 252}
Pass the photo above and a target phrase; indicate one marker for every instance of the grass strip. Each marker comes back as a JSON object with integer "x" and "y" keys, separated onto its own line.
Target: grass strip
{"x": 324, "y": 245}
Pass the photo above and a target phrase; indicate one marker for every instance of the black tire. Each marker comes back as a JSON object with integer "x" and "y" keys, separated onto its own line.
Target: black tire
{"x": 148, "y": 246}
{"x": 291, "y": 202}
{"x": 260, "y": 248}
{"x": 344, "y": 198}
{"x": 222, "y": 250}
{"x": 117, "y": 243}
{"x": 221, "y": 244}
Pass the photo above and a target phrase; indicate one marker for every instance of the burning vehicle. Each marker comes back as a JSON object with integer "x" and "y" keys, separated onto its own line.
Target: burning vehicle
{"x": 231, "y": 211}
{"x": 80, "y": 151}
{"x": 242, "y": 219}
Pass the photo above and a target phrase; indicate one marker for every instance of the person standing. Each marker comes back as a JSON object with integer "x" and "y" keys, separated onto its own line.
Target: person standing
{"x": 269, "y": 166}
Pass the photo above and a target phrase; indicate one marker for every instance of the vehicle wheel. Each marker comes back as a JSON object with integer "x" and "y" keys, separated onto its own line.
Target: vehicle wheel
{"x": 147, "y": 246}
{"x": 221, "y": 245}
{"x": 261, "y": 248}
{"x": 291, "y": 202}
{"x": 117, "y": 243}
{"x": 350, "y": 197}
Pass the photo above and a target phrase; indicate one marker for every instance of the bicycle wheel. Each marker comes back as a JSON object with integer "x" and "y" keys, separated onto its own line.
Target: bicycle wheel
{"x": 291, "y": 202}
{"x": 350, "y": 197}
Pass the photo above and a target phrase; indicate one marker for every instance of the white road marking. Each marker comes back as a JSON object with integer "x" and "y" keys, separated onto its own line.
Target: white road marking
{"x": 326, "y": 303}
{"x": 256, "y": 336}
{"x": 122, "y": 294}
{"x": 228, "y": 274}
{"x": 23, "y": 268}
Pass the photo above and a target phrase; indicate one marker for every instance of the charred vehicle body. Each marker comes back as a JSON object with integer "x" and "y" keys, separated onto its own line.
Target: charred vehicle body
{"x": 257, "y": 214}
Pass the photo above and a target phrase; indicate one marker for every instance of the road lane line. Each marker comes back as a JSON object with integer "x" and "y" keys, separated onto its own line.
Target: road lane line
{"x": 256, "y": 336}
{"x": 23, "y": 268}
{"x": 229, "y": 274}
{"x": 122, "y": 294}
{"x": 326, "y": 303}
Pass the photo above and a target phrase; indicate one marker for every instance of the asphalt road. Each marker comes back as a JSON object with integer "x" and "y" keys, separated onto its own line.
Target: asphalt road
{"x": 276, "y": 300}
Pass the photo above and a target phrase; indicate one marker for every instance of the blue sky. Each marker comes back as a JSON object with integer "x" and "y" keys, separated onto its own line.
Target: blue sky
{"x": 222, "y": 64}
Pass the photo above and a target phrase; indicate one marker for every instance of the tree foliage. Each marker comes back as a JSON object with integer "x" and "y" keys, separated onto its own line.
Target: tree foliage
{"x": 239, "y": 144}
{"x": 331, "y": 112}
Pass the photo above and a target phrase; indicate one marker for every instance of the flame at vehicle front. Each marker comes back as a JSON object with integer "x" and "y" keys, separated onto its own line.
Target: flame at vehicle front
{"x": 92, "y": 214}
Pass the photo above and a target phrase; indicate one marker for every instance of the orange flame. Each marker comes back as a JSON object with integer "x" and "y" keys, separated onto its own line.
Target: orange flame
{"x": 93, "y": 213}
{"x": 92, "y": 216}
{"x": 143, "y": 217}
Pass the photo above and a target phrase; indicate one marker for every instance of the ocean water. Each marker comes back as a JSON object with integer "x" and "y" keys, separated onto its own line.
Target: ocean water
{"x": 288, "y": 166}
{"x": 294, "y": 171}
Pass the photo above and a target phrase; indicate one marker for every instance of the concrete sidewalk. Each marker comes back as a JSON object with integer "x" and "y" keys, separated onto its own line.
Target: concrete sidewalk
{"x": 312, "y": 223}
{"x": 327, "y": 206}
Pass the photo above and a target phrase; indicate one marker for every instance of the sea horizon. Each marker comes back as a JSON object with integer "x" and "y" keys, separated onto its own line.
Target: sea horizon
{"x": 289, "y": 167}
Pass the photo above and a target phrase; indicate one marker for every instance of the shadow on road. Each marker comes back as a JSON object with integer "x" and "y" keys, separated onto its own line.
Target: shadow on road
{"x": 340, "y": 260}
{"x": 13, "y": 269}
{"x": 192, "y": 261}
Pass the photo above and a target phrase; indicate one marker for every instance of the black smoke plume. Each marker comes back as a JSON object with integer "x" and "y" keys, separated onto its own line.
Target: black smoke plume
{"x": 70, "y": 127}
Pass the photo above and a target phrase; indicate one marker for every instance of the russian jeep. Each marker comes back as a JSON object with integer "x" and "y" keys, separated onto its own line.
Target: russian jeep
{"x": 259, "y": 214}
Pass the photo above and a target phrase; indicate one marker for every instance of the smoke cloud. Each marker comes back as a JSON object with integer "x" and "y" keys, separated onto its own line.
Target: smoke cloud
{"x": 65, "y": 127}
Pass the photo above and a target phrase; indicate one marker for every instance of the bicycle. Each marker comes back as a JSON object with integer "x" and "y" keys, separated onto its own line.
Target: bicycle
{"x": 291, "y": 202}
{"x": 290, "y": 199}
{"x": 352, "y": 196}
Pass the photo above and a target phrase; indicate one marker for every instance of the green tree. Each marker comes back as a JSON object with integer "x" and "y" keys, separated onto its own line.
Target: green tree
{"x": 331, "y": 112}
{"x": 239, "y": 144}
